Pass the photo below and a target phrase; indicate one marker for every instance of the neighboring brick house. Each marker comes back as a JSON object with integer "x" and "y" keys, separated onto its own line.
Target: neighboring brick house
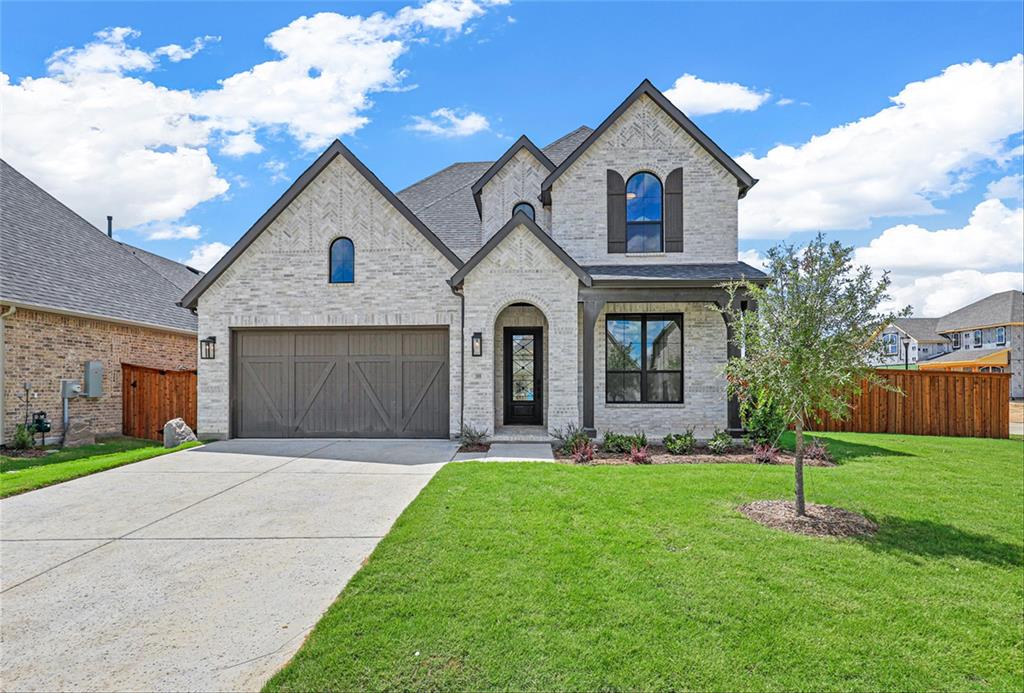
{"x": 487, "y": 294}
{"x": 69, "y": 294}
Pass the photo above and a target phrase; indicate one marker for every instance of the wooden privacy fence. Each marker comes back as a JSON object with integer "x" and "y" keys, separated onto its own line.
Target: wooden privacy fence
{"x": 152, "y": 397}
{"x": 931, "y": 403}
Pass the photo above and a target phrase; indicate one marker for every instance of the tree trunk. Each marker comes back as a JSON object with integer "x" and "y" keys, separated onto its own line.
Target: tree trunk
{"x": 798, "y": 466}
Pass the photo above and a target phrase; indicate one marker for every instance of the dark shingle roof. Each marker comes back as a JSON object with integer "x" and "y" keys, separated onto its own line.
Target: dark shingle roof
{"x": 997, "y": 309}
{"x": 182, "y": 276}
{"x": 966, "y": 355}
{"x": 51, "y": 257}
{"x": 921, "y": 329}
{"x": 702, "y": 272}
{"x": 444, "y": 200}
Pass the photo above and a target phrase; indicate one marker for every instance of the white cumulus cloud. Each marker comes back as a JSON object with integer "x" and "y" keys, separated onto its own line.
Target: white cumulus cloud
{"x": 176, "y": 53}
{"x": 695, "y": 97}
{"x": 1007, "y": 188}
{"x": 926, "y": 146}
{"x": 205, "y": 255}
{"x": 446, "y": 122}
{"x": 936, "y": 295}
{"x": 172, "y": 232}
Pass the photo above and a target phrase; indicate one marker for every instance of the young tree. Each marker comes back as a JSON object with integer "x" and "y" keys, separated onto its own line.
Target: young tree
{"x": 808, "y": 345}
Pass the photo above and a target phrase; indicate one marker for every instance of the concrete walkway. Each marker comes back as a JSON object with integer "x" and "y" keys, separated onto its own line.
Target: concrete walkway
{"x": 200, "y": 570}
{"x": 511, "y": 452}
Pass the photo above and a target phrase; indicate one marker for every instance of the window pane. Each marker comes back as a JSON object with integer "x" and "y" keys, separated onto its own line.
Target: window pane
{"x": 623, "y": 340}
{"x": 664, "y": 345}
{"x": 524, "y": 207}
{"x": 342, "y": 261}
{"x": 664, "y": 387}
{"x": 643, "y": 237}
{"x": 623, "y": 387}
{"x": 643, "y": 198}
{"x": 523, "y": 346}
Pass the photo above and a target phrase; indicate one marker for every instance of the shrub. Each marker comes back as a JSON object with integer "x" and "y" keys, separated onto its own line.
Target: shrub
{"x": 680, "y": 443}
{"x": 720, "y": 442}
{"x": 569, "y": 438}
{"x": 471, "y": 436}
{"x": 763, "y": 419}
{"x": 816, "y": 450}
{"x": 615, "y": 442}
{"x": 765, "y": 453}
{"x": 638, "y": 440}
{"x": 583, "y": 451}
{"x": 640, "y": 454}
{"x": 23, "y": 438}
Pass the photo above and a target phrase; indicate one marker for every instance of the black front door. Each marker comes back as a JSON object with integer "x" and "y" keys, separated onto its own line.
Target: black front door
{"x": 524, "y": 372}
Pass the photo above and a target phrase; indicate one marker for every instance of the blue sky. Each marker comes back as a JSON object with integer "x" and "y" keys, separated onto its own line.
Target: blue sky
{"x": 541, "y": 69}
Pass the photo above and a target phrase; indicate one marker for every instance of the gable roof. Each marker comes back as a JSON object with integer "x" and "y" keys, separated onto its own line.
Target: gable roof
{"x": 968, "y": 356}
{"x": 53, "y": 259}
{"x": 444, "y": 200}
{"x": 921, "y": 329}
{"x": 522, "y": 143}
{"x": 744, "y": 180}
{"x": 335, "y": 149}
{"x": 517, "y": 220}
{"x": 998, "y": 309}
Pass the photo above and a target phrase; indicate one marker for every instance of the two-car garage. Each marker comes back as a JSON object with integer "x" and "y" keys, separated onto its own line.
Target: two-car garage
{"x": 346, "y": 382}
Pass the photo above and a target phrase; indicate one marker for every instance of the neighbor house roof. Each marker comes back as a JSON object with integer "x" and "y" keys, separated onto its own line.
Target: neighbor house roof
{"x": 743, "y": 179}
{"x": 994, "y": 357}
{"x": 921, "y": 329}
{"x": 53, "y": 259}
{"x": 702, "y": 273}
{"x": 334, "y": 150}
{"x": 1004, "y": 308}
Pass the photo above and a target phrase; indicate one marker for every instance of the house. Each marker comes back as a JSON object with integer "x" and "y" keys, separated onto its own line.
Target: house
{"x": 574, "y": 284}
{"x": 69, "y": 294}
{"x": 986, "y": 336}
{"x": 923, "y": 342}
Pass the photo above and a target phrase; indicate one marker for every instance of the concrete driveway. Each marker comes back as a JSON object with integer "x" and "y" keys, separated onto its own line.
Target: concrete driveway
{"x": 199, "y": 570}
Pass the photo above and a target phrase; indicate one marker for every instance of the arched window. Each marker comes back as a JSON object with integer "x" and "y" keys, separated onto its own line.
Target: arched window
{"x": 343, "y": 261}
{"x": 526, "y": 208}
{"x": 643, "y": 214}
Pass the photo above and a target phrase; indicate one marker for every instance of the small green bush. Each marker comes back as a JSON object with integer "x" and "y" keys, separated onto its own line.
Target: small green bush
{"x": 23, "y": 438}
{"x": 763, "y": 420}
{"x": 570, "y": 437}
{"x": 680, "y": 443}
{"x": 621, "y": 442}
{"x": 720, "y": 442}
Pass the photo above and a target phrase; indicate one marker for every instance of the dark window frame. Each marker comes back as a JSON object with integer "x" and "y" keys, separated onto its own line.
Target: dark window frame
{"x": 533, "y": 211}
{"x": 330, "y": 260}
{"x": 1001, "y": 342}
{"x": 660, "y": 223}
{"x": 979, "y": 339}
{"x": 644, "y": 371}
{"x": 956, "y": 341}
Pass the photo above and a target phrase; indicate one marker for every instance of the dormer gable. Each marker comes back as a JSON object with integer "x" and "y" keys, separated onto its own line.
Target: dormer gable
{"x": 511, "y": 184}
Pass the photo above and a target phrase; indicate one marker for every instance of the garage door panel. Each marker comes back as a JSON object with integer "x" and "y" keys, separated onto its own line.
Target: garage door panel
{"x": 341, "y": 382}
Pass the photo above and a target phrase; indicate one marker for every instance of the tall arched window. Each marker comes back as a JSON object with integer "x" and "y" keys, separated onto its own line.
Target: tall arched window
{"x": 343, "y": 261}
{"x": 526, "y": 208}
{"x": 643, "y": 214}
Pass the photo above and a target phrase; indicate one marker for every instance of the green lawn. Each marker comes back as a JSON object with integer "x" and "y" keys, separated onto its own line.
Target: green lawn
{"x": 20, "y": 474}
{"x": 552, "y": 577}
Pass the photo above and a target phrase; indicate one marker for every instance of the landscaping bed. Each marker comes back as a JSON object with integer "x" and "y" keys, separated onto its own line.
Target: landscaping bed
{"x": 700, "y": 455}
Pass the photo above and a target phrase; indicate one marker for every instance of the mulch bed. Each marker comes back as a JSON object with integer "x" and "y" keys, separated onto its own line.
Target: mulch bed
{"x": 478, "y": 447}
{"x": 700, "y": 455}
{"x": 819, "y": 520}
{"x": 27, "y": 452}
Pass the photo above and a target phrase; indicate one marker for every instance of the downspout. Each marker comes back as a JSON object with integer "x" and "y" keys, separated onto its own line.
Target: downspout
{"x": 462, "y": 357}
{"x": 11, "y": 310}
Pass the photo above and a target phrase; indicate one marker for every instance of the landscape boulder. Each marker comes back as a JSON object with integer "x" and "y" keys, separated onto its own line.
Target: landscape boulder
{"x": 176, "y": 432}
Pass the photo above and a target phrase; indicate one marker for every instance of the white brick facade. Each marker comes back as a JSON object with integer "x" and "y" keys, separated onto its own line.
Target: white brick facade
{"x": 518, "y": 181}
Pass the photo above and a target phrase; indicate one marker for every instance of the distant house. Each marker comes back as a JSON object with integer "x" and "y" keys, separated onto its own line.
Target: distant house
{"x": 986, "y": 336}
{"x": 924, "y": 342}
{"x": 69, "y": 293}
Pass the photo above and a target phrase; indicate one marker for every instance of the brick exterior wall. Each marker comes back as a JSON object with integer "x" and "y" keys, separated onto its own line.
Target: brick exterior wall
{"x": 281, "y": 280}
{"x": 645, "y": 138}
{"x": 516, "y": 316}
{"x": 518, "y": 180}
{"x": 521, "y": 269}
{"x": 42, "y": 348}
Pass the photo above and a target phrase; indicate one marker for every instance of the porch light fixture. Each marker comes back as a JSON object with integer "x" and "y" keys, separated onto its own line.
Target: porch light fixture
{"x": 208, "y": 347}
{"x": 478, "y": 344}
{"x": 906, "y": 352}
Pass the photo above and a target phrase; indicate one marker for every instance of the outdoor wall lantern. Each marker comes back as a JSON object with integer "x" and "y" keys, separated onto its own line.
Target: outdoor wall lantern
{"x": 478, "y": 344}
{"x": 208, "y": 348}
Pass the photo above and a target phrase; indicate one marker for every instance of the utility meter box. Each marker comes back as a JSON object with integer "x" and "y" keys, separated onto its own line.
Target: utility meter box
{"x": 92, "y": 383}
{"x": 69, "y": 389}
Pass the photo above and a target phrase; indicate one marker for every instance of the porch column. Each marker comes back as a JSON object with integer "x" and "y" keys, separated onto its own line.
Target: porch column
{"x": 591, "y": 309}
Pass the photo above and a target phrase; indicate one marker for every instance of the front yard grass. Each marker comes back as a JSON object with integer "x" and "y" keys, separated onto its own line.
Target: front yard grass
{"x": 553, "y": 577}
{"x": 21, "y": 474}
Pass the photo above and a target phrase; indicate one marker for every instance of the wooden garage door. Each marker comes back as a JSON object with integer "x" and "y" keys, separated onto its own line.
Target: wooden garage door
{"x": 340, "y": 383}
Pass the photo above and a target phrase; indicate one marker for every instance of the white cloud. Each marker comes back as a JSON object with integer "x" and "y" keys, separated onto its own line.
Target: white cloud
{"x": 754, "y": 259}
{"x": 105, "y": 139}
{"x": 927, "y": 145}
{"x": 205, "y": 255}
{"x": 445, "y": 122}
{"x": 785, "y": 101}
{"x": 936, "y": 295}
{"x": 176, "y": 53}
{"x": 696, "y": 97}
{"x": 277, "y": 170}
{"x": 1007, "y": 188}
{"x": 170, "y": 233}
{"x": 992, "y": 239}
